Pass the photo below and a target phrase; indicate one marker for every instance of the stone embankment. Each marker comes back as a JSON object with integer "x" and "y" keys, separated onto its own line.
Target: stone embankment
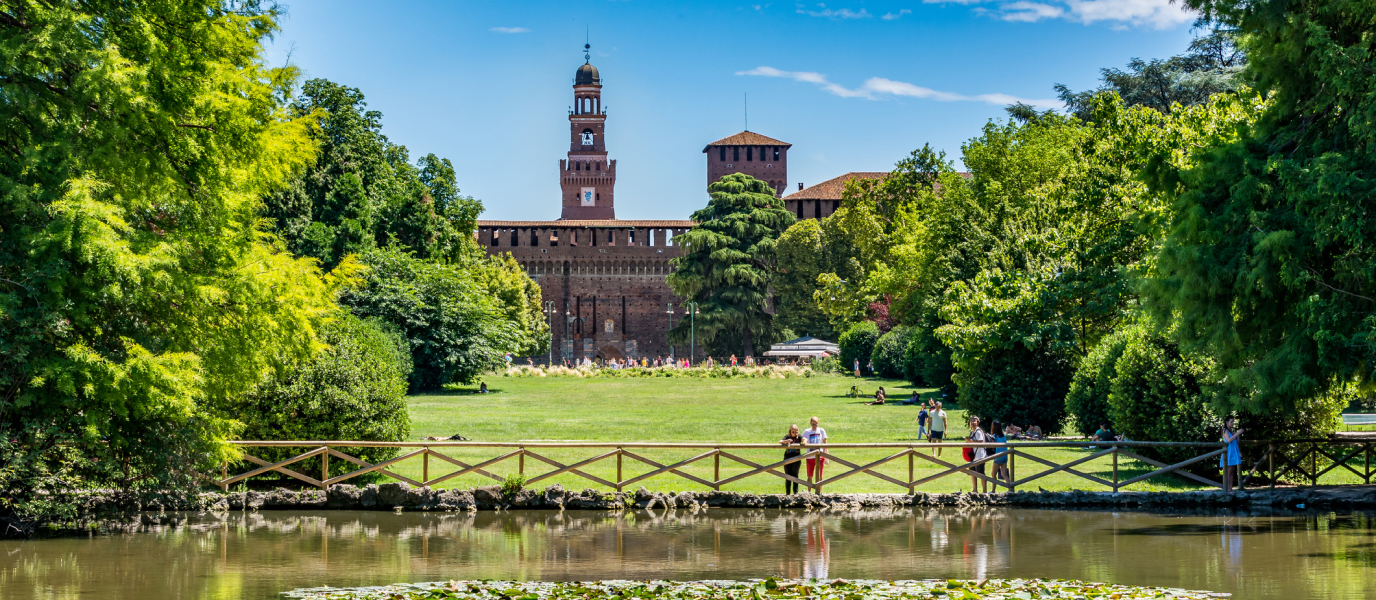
{"x": 403, "y": 497}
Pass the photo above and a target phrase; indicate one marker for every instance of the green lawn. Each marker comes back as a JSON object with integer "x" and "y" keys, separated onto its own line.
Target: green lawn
{"x": 532, "y": 409}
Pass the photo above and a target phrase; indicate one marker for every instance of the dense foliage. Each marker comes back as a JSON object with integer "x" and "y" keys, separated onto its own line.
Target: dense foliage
{"x": 890, "y": 352}
{"x": 857, "y": 344}
{"x": 353, "y": 390}
{"x": 1017, "y": 386}
{"x": 362, "y": 192}
{"x": 456, "y": 325}
{"x": 1087, "y": 400}
{"x": 137, "y": 296}
{"x": 728, "y": 261}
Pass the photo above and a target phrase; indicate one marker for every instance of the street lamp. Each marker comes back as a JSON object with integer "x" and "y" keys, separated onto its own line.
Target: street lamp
{"x": 549, "y": 310}
{"x": 670, "y": 312}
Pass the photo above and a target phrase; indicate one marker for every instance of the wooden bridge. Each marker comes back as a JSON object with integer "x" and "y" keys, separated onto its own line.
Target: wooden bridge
{"x": 1310, "y": 462}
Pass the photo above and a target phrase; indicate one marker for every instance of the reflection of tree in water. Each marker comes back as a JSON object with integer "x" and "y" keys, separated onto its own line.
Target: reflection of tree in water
{"x": 260, "y": 554}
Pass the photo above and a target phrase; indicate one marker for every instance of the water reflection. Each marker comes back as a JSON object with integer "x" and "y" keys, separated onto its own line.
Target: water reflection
{"x": 257, "y": 555}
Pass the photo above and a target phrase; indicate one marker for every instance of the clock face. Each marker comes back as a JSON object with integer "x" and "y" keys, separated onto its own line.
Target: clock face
{"x": 587, "y": 138}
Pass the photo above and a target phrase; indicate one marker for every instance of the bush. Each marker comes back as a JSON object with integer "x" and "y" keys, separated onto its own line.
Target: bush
{"x": 889, "y": 351}
{"x": 827, "y": 364}
{"x": 857, "y": 343}
{"x": 1089, "y": 389}
{"x": 1017, "y": 385}
{"x": 927, "y": 362}
{"x": 354, "y": 389}
{"x": 1156, "y": 395}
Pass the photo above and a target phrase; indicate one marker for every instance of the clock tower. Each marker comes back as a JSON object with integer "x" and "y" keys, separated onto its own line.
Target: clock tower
{"x": 586, "y": 176}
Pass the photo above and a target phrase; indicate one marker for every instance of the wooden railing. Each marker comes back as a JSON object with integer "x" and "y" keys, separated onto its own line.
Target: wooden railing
{"x": 1310, "y": 460}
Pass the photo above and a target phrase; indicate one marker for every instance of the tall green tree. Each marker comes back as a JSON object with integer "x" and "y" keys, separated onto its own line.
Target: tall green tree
{"x": 1269, "y": 265}
{"x": 137, "y": 296}
{"x": 729, "y": 262}
{"x": 363, "y": 192}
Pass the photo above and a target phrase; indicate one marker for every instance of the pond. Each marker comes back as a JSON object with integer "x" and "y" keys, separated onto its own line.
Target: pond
{"x": 258, "y": 555}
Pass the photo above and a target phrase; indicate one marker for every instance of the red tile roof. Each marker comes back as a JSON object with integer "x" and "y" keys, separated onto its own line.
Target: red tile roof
{"x": 573, "y": 224}
{"x": 747, "y": 138}
{"x": 831, "y": 189}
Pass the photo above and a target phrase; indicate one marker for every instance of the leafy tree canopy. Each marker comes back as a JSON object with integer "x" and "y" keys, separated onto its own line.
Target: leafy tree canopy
{"x": 136, "y": 295}
{"x": 363, "y": 192}
{"x": 729, "y": 260}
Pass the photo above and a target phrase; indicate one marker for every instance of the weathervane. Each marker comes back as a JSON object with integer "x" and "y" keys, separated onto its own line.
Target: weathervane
{"x": 587, "y": 44}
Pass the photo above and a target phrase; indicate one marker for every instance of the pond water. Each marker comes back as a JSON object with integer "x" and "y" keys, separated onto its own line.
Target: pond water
{"x": 258, "y": 555}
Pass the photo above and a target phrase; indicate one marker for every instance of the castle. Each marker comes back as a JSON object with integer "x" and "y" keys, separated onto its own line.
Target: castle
{"x": 602, "y": 279}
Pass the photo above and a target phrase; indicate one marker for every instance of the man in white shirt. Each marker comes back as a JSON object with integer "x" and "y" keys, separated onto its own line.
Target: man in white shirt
{"x": 938, "y": 429}
{"x": 813, "y": 436}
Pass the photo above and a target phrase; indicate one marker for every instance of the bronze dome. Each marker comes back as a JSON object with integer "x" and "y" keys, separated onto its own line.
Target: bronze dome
{"x": 586, "y": 75}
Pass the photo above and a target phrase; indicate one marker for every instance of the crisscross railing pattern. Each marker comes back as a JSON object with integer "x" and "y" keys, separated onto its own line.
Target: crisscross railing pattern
{"x": 1309, "y": 460}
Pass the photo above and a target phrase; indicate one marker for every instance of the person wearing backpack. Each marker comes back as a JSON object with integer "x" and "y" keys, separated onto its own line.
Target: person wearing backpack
{"x": 972, "y": 454}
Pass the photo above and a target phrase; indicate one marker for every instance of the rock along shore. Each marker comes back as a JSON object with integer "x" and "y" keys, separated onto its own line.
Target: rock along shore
{"x": 403, "y": 497}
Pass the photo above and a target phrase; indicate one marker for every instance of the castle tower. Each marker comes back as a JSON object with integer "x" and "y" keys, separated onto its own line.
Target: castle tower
{"x": 586, "y": 176}
{"x": 758, "y": 156}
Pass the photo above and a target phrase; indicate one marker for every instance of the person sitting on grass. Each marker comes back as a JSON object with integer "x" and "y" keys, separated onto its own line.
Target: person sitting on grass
{"x": 854, "y": 392}
{"x": 878, "y": 398}
{"x": 1034, "y": 432}
{"x": 1013, "y": 432}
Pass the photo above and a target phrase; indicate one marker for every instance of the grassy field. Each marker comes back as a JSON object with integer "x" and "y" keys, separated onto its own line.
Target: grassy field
{"x": 532, "y": 409}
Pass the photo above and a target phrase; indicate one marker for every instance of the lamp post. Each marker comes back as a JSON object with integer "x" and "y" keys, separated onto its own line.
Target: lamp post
{"x": 549, "y": 310}
{"x": 692, "y": 331}
{"x": 670, "y": 312}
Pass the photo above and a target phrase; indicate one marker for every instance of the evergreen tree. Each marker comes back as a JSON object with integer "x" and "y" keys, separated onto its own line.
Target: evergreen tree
{"x": 728, "y": 262}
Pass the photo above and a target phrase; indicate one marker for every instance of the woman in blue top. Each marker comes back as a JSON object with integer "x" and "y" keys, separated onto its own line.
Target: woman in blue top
{"x": 1232, "y": 456}
{"x": 1000, "y": 463}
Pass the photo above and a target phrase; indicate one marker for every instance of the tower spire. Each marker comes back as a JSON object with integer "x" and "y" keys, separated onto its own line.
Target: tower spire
{"x": 587, "y": 45}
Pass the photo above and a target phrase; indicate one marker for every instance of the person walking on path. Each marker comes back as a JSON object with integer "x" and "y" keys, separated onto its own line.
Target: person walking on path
{"x": 921, "y": 423}
{"x": 938, "y": 430}
{"x": 813, "y": 436}
{"x": 977, "y": 436}
{"x": 791, "y": 439}
{"x": 857, "y": 367}
{"x": 1001, "y": 463}
{"x": 1232, "y": 456}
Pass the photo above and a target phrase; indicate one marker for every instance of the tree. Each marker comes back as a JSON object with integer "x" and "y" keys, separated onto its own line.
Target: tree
{"x": 1268, "y": 266}
{"x": 137, "y": 297}
{"x": 363, "y": 193}
{"x": 456, "y": 327}
{"x": 802, "y": 256}
{"x": 728, "y": 263}
{"x": 1212, "y": 65}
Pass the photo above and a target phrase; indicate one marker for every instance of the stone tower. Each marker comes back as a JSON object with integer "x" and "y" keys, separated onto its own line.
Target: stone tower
{"x": 758, "y": 156}
{"x": 586, "y": 176}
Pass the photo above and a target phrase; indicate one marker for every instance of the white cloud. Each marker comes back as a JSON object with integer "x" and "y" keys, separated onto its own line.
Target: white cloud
{"x": 1029, "y": 12}
{"x": 896, "y": 16}
{"x": 879, "y": 87}
{"x": 1159, "y": 14}
{"x": 510, "y": 30}
{"x": 834, "y": 13}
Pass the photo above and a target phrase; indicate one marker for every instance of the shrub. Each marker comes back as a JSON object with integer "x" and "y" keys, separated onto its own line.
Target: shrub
{"x": 927, "y": 361}
{"x": 889, "y": 352}
{"x": 1087, "y": 400}
{"x": 1156, "y": 395}
{"x": 827, "y": 364}
{"x": 354, "y": 389}
{"x": 857, "y": 343}
{"x": 1017, "y": 385}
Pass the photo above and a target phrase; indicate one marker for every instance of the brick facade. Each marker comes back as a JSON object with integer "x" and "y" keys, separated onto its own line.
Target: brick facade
{"x": 747, "y": 152}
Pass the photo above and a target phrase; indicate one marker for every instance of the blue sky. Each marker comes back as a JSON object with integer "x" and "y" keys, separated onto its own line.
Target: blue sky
{"x": 854, "y": 86}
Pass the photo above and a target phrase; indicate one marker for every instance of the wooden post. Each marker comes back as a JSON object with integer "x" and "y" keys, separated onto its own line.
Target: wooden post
{"x": 324, "y": 469}
{"x": 716, "y": 469}
{"x": 1012, "y": 474}
{"x": 1271, "y": 464}
{"x": 910, "y": 470}
{"x": 1366, "y": 463}
{"x": 224, "y": 474}
{"x": 521, "y": 462}
{"x": 425, "y": 466}
{"x": 1115, "y": 468}
{"x": 1314, "y": 463}
{"x": 618, "y": 469}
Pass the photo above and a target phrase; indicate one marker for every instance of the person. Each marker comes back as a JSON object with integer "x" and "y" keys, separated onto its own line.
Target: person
{"x": 870, "y": 365}
{"x": 977, "y": 436}
{"x": 1232, "y": 456}
{"x": 1000, "y": 435}
{"x": 1104, "y": 434}
{"x": 1034, "y": 432}
{"x": 857, "y": 367}
{"x": 482, "y": 387}
{"x": 1012, "y": 431}
{"x": 813, "y": 436}
{"x": 733, "y": 360}
{"x": 921, "y": 422}
{"x": 938, "y": 430}
{"x": 792, "y": 439}
{"x": 879, "y": 397}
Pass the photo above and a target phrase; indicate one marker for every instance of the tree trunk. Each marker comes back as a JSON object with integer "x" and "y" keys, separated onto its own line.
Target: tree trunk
{"x": 747, "y": 343}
